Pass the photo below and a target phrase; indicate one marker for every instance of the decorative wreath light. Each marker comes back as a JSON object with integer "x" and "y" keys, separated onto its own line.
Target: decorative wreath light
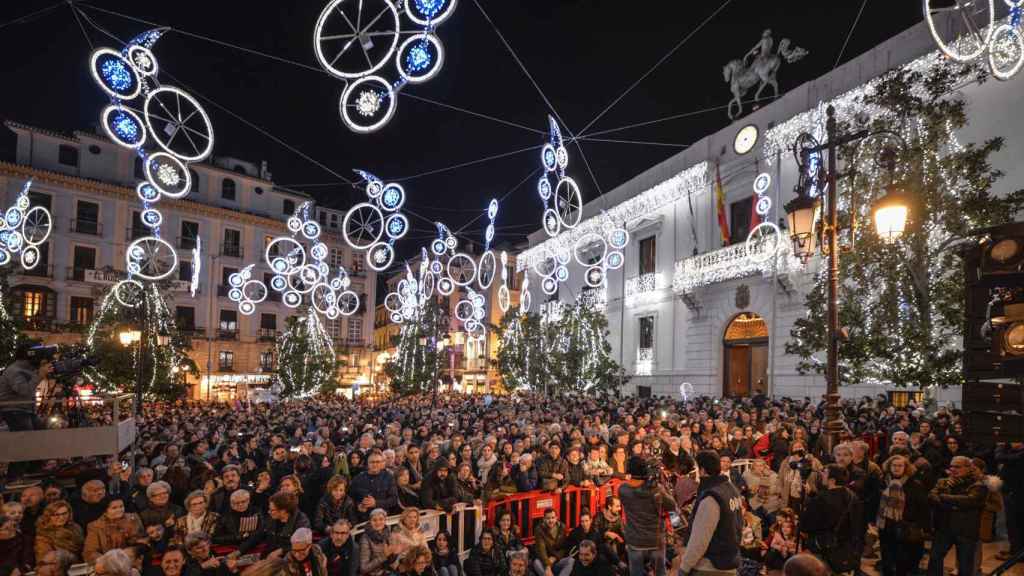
{"x": 354, "y": 39}
{"x": 142, "y": 111}
{"x": 376, "y": 225}
{"x": 23, "y": 229}
{"x": 298, "y": 273}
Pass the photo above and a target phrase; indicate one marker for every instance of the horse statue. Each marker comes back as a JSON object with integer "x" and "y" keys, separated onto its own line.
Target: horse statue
{"x": 762, "y": 68}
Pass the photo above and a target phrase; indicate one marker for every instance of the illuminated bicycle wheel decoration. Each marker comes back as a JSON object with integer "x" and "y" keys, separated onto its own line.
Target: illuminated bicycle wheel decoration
{"x": 380, "y": 256}
{"x": 1006, "y": 53}
{"x": 151, "y": 258}
{"x": 764, "y": 242}
{"x": 367, "y": 104}
{"x": 363, "y": 226}
{"x": 179, "y": 124}
{"x": 128, "y": 293}
{"x": 363, "y": 42}
{"x": 377, "y": 224}
{"x": 486, "y": 269}
{"x": 568, "y": 203}
{"x": 966, "y": 35}
{"x": 23, "y": 229}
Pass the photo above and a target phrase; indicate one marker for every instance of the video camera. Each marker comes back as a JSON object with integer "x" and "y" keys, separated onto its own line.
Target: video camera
{"x": 803, "y": 466}
{"x": 69, "y": 365}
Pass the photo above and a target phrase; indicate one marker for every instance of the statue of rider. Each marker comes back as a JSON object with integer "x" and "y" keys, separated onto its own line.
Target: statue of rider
{"x": 763, "y": 48}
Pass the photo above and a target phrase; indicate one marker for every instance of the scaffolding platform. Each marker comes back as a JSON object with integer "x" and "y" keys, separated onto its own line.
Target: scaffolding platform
{"x": 106, "y": 427}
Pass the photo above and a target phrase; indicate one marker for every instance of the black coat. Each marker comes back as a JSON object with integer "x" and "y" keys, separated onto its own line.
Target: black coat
{"x": 837, "y": 511}
{"x": 482, "y": 563}
{"x": 276, "y": 535}
{"x": 343, "y": 560}
{"x": 437, "y": 493}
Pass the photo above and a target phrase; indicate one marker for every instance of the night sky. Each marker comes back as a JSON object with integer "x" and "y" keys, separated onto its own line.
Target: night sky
{"x": 582, "y": 53}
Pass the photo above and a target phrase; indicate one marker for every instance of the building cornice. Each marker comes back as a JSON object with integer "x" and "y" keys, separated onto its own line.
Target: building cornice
{"x": 128, "y": 194}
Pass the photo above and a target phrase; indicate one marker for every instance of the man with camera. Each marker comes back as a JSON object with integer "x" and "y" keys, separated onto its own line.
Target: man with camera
{"x": 717, "y": 523}
{"x": 831, "y": 520}
{"x": 644, "y": 500}
{"x": 18, "y": 385}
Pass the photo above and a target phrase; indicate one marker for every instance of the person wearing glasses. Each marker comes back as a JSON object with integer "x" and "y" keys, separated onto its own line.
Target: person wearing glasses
{"x": 160, "y": 508}
{"x": 58, "y": 531}
{"x": 374, "y": 488}
{"x": 54, "y": 563}
{"x": 241, "y": 521}
{"x": 957, "y": 502}
{"x": 340, "y": 550}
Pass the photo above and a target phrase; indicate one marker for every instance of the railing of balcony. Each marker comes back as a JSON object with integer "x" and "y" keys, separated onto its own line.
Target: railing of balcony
{"x": 88, "y": 227}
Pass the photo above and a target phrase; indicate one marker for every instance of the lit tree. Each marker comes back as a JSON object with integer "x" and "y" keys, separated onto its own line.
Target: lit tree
{"x": 306, "y": 362}
{"x": 580, "y": 353}
{"x": 522, "y": 355}
{"x": 905, "y": 301}
{"x": 164, "y": 366}
{"x": 10, "y": 333}
{"x": 417, "y": 362}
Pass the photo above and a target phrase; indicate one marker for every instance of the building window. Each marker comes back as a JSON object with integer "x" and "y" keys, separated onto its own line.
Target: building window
{"x": 355, "y": 329}
{"x": 358, "y": 264}
{"x": 274, "y": 250}
{"x": 195, "y": 179}
{"x": 646, "y": 332}
{"x": 323, "y": 218}
{"x": 648, "y": 251}
{"x": 228, "y": 321}
{"x": 232, "y": 243}
{"x": 645, "y": 347}
{"x": 185, "y": 317}
{"x": 334, "y": 220}
{"x": 139, "y": 229}
{"x": 33, "y": 303}
{"x": 334, "y": 328}
{"x": 258, "y": 191}
{"x": 268, "y": 321}
{"x": 227, "y": 189}
{"x": 267, "y": 361}
{"x": 337, "y": 257}
{"x": 226, "y": 360}
{"x": 83, "y": 258}
{"x": 81, "y": 311}
{"x": 225, "y": 274}
{"x": 40, "y": 199}
{"x": 189, "y": 233}
{"x": 67, "y": 155}
{"x": 140, "y": 168}
{"x": 185, "y": 270}
{"x": 513, "y": 277}
{"x": 87, "y": 218}
{"x": 288, "y": 207}
{"x": 739, "y": 220}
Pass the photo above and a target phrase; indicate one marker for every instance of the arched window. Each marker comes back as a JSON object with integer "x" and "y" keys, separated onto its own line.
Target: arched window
{"x": 745, "y": 346}
{"x": 227, "y": 189}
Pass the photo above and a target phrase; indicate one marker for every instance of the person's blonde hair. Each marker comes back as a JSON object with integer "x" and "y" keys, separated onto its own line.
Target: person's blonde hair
{"x": 52, "y": 508}
{"x": 410, "y": 511}
{"x": 908, "y": 467}
{"x": 408, "y": 563}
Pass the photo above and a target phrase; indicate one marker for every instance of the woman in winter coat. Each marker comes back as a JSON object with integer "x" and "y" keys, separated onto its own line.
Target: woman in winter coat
{"x": 377, "y": 556}
{"x": 467, "y": 491}
{"x": 417, "y": 563}
{"x": 507, "y": 536}
{"x": 486, "y": 558}
{"x": 115, "y": 529}
{"x": 446, "y": 559}
{"x": 790, "y": 481}
{"x": 408, "y": 496}
{"x": 903, "y": 516}
{"x": 487, "y": 460}
{"x": 57, "y": 531}
{"x": 407, "y": 534}
{"x": 334, "y": 505}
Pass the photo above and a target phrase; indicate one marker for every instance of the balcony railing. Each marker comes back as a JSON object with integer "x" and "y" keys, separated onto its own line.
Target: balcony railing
{"x": 135, "y": 233}
{"x": 643, "y": 287}
{"x": 268, "y": 334}
{"x": 644, "y": 361}
{"x": 186, "y": 242}
{"x": 227, "y": 334}
{"x": 736, "y": 261}
{"x": 38, "y": 323}
{"x": 223, "y": 290}
{"x": 89, "y": 227}
{"x": 192, "y": 332}
{"x": 76, "y": 274}
{"x": 231, "y": 250}
{"x": 39, "y": 271}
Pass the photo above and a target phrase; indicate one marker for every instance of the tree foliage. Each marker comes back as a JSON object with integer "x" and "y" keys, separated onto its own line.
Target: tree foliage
{"x": 567, "y": 354}
{"x": 164, "y": 366}
{"x": 419, "y": 358}
{"x": 905, "y": 300}
{"x": 306, "y": 362}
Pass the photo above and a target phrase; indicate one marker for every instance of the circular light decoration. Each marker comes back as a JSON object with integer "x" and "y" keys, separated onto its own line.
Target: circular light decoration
{"x": 235, "y": 294}
{"x": 763, "y": 206}
{"x": 977, "y": 30}
{"x": 762, "y": 183}
{"x": 544, "y": 188}
{"x": 438, "y": 247}
{"x": 745, "y": 139}
{"x": 590, "y": 248}
{"x": 353, "y": 38}
{"x": 552, "y": 225}
{"x": 445, "y": 286}
{"x": 549, "y": 285}
{"x": 614, "y": 260}
{"x": 363, "y": 226}
{"x": 13, "y": 217}
{"x": 367, "y": 104}
{"x": 549, "y": 157}
{"x": 151, "y": 218}
{"x": 1006, "y": 53}
{"x": 179, "y": 124}
{"x": 485, "y": 272}
{"x": 123, "y": 126}
{"x": 114, "y": 74}
{"x": 562, "y": 273}
{"x": 279, "y": 283}
{"x": 492, "y": 209}
{"x": 595, "y": 276}
{"x": 168, "y": 174}
{"x": 396, "y": 226}
{"x": 254, "y": 291}
{"x": 29, "y": 257}
{"x": 380, "y": 256}
{"x": 311, "y": 230}
{"x": 436, "y": 267}
{"x": 464, "y": 310}
{"x": 392, "y": 198}
{"x": 151, "y": 258}
{"x": 568, "y": 203}
{"x": 147, "y": 192}
{"x": 14, "y": 241}
{"x": 36, "y": 226}
{"x": 393, "y": 302}
{"x": 503, "y": 298}
{"x": 618, "y": 238}
{"x": 128, "y": 293}
{"x": 764, "y": 242}
{"x": 246, "y": 307}
{"x": 142, "y": 60}
{"x": 291, "y": 299}
{"x": 5, "y": 257}
{"x": 420, "y": 58}
{"x": 461, "y": 269}
{"x": 348, "y": 303}
{"x": 429, "y": 12}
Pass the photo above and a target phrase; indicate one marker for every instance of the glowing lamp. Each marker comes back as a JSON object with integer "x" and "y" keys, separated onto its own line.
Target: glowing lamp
{"x": 129, "y": 337}
{"x": 890, "y": 214}
{"x": 802, "y": 215}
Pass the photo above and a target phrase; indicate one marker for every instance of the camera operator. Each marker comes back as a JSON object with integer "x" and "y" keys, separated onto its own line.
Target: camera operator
{"x": 644, "y": 500}
{"x": 717, "y": 524}
{"x": 831, "y": 519}
{"x": 18, "y": 385}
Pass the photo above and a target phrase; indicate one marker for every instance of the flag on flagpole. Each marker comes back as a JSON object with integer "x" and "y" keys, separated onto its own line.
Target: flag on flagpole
{"x": 723, "y": 222}
{"x": 755, "y": 218}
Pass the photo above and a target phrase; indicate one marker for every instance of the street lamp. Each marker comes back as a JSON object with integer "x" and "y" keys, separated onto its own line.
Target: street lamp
{"x": 129, "y": 337}
{"x": 890, "y": 217}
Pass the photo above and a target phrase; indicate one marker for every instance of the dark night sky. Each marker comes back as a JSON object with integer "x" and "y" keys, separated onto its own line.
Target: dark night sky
{"x": 582, "y": 53}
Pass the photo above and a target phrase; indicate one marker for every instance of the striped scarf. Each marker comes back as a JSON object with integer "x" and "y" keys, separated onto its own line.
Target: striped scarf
{"x": 892, "y": 504}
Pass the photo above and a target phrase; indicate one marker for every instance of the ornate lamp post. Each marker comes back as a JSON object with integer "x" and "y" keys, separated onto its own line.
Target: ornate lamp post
{"x": 889, "y": 214}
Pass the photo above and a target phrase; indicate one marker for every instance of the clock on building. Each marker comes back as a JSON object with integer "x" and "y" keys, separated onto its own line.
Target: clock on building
{"x": 745, "y": 139}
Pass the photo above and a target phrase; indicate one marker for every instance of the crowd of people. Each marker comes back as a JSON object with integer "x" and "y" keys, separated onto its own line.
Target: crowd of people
{"x": 706, "y": 486}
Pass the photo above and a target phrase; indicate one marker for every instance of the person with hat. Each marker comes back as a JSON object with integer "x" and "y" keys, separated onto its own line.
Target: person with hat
{"x": 717, "y": 521}
{"x": 644, "y": 500}
{"x": 438, "y": 490}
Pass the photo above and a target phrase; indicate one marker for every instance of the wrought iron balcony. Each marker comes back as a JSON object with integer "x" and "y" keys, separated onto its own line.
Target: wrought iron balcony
{"x": 89, "y": 227}
{"x": 736, "y": 261}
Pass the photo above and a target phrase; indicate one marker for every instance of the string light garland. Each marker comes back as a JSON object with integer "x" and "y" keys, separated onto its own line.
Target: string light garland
{"x": 355, "y": 39}
{"x": 736, "y": 261}
{"x": 23, "y": 229}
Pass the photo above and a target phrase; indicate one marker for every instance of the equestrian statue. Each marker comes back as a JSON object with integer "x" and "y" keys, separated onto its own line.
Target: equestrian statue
{"x": 759, "y": 65}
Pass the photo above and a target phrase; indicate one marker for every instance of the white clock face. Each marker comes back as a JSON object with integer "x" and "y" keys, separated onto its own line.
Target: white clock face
{"x": 745, "y": 139}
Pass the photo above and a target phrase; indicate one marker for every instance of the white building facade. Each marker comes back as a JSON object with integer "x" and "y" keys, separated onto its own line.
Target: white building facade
{"x": 88, "y": 184}
{"x": 685, "y": 309}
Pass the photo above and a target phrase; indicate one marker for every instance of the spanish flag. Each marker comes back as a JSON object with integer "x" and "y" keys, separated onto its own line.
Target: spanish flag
{"x": 723, "y": 222}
